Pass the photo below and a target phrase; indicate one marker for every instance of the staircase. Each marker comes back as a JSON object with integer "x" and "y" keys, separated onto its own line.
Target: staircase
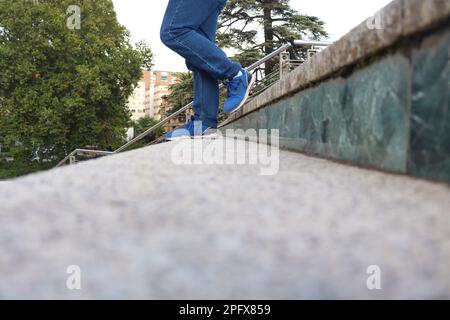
{"x": 378, "y": 98}
{"x": 284, "y": 65}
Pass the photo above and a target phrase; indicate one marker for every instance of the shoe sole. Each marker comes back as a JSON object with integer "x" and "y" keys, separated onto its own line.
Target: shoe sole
{"x": 247, "y": 94}
{"x": 207, "y": 137}
{"x": 212, "y": 136}
{"x": 178, "y": 139}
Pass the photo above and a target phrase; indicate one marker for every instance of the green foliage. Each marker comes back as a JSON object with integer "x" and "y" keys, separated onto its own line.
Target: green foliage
{"x": 144, "y": 48}
{"x": 182, "y": 92}
{"x": 144, "y": 124}
{"x": 9, "y": 170}
{"x": 141, "y": 126}
{"x": 63, "y": 88}
{"x": 260, "y": 26}
{"x": 248, "y": 57}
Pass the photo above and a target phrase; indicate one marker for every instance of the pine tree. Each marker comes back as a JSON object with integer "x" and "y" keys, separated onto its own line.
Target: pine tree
{"x": 257, "y": 27}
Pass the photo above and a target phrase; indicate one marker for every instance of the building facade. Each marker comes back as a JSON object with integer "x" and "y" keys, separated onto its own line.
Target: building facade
{"x": 160, "y": 82}
{"x": 149, "y": 98}
{"x": 140, "y": 101}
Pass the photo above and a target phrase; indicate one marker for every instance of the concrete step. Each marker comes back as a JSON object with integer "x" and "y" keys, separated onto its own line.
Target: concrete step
{"x": 141, "y": 226}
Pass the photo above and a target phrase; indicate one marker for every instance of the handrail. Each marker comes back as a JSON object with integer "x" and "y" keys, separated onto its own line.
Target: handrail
{"x": 77, "y": 151}
{"x": 155, "y": 127}
{"x": 300, "y": 43}
{"x": 277, "y": 52}
{"x": 188, "y": 106}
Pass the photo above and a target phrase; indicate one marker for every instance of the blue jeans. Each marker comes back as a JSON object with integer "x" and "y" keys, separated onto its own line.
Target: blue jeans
{"x": 189, "y": 28}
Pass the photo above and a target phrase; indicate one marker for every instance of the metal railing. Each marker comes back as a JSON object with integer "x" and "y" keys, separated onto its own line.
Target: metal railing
{"x": 71, "y": 157}
{"x": 284, "y": 66}
{"x": 190, "y": 105}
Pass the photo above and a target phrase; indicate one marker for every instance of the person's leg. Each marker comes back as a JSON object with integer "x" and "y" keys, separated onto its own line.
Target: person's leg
{"x": 197, "y": 94}
{"x": 180, "y": 32}
{"x": 206, "y": 88}
{"x": 238, "y": 88}
{"x": 206, "y": 96}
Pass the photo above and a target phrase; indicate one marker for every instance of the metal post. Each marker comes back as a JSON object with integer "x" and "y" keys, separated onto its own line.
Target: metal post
{"x": 281, "y": 65}
{"x": 284, "y": 63}
{"x": 287, "y": 64}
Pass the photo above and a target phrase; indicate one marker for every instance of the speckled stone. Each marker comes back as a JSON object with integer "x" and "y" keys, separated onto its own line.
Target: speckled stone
{"x": 363, "y": 119}
{"x": 430, "y": 111}
{"x": 378, "y": 99}
{"x": 422, "y": 14}
{"x": 140, "y": 226}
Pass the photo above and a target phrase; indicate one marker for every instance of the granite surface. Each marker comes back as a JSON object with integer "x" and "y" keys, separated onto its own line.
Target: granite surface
{"x": 140, "y": 226}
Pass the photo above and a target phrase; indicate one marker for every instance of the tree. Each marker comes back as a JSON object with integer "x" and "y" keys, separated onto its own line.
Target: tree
{"x": 140, "y": 126}
{"x": 182, "y": 91}
{"x": 257, "y": 27}
{"x": 144, "y": 124}
{"x": 144, "y": 48}
{"x": 64, "y": 86}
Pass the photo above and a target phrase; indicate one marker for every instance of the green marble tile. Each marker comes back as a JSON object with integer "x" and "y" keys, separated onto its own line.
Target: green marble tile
{"x": 430, "y": 119}
{"x": 363, "y": 119}
{"x": 329, "y": 118}
{"x": 393, "y": 114}
{"x": 340, "y": 115}
{"x": 377, "y": 103}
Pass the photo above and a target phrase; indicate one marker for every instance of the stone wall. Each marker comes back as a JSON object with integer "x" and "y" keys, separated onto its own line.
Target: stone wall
{"x": 389, "y": 109}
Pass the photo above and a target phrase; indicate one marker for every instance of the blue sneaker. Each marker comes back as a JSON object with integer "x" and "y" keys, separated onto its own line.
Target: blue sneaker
{"x": 192, "y": 129}
{"x": 238, "y": 91}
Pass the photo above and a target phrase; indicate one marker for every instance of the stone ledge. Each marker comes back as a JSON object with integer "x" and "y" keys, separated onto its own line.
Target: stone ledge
{"x": 399, "y": 19}
{"x": 391, "y": 114}
{"x": 419, "y": 15}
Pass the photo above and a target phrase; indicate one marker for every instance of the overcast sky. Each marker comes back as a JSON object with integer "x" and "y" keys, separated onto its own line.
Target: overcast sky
{"x": 143, "y": 18}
